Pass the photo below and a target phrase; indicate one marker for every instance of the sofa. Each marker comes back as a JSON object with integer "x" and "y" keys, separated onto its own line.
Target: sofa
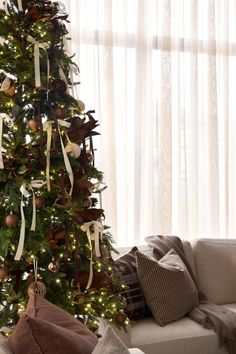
{"x": 213, "y": 261}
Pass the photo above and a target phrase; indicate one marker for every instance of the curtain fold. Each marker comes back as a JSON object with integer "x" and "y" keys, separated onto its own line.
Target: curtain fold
{"x": 161, "y": 76}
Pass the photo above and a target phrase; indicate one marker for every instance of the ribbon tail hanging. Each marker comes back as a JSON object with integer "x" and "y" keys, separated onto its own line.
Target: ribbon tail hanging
{"x": 90, "y": 279}
{"x": 37, "y": 65}
{"x": 22, "y": 234}
{"x": 20, "y": 7}
{"x": 66, "y": 159}
{"x": 1, "y": 159}
{"x": 33, "y": 223}
{"x": 48, "y": 128}
{"x": 6, "y": 8}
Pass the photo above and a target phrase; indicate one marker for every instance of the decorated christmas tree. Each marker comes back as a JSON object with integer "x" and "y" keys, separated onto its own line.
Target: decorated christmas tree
{"x": 52, "y": 235}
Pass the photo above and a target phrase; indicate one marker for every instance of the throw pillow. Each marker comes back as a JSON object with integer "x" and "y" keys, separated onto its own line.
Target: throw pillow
{"x": 167, "y": 285}
{"x": 110, "y": 343}
{"x": 4, "y": 346}
{"x": 46, "y": 328}
{"x": 126, "y": 268}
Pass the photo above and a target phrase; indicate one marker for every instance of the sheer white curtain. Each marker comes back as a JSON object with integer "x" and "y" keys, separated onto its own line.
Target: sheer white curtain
{"x": 162, "y": 78}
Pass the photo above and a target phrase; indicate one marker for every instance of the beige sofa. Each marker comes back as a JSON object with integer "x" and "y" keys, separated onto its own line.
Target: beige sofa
{"x": 214, "y": 263}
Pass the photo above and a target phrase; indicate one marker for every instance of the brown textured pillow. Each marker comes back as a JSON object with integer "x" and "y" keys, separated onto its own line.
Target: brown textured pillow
{"x": 126, "y": 268}
{"x": 167, "y": 285}
{"x": 45, "y": 328}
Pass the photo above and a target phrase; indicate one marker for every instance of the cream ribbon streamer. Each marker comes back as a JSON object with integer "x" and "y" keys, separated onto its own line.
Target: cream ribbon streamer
{"x": 47, "y": 127}
{"x": 35, "y": 184}
{"x": 37, "y": 47}
{"x": 24, "y": 195}
{"x": 66, "y": 124}
{"x": 20, "y": 7}
{"x": 9, "y": 123}
{"x": 6, "y": 8}
{"x": 92, "y": 236}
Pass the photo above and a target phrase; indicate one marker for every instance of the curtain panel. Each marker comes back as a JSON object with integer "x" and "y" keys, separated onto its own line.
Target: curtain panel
{"x": 161, "y": 76}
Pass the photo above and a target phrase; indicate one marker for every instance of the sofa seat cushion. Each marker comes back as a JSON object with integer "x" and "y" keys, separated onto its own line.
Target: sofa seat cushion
{"x": 183, "y": 336}
{"x": 215, "y": 264}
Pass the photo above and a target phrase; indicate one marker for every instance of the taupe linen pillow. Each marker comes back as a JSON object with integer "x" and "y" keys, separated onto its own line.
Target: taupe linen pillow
{"x": 47, "y": 329}
{"x": 167, "y": 286}
{"x": 110, "y": 343}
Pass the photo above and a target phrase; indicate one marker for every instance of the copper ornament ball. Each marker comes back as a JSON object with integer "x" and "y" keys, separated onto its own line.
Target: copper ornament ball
{"x": 39, "y": 202}
{"x": 60, "y": 112}
{"x": 59, "y": 86}
{"x": 121, "y": 318}
{"x": 33, "y": 124}
{"x": 11, "y": 220}
{"x": 3, "y": 273}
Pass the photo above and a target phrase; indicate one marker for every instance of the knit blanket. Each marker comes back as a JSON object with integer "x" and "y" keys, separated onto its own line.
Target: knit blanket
{"x": 209, "y": 315}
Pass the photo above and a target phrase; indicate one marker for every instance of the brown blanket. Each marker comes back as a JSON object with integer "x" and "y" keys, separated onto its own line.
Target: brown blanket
{"x": 209, "y": 315}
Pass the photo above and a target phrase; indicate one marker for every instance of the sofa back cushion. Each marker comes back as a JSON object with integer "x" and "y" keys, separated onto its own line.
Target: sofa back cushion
{"x": 215, "y": 263}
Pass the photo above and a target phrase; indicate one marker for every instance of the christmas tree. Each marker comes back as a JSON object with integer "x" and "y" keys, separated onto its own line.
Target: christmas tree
{"x": 52, "y": 237}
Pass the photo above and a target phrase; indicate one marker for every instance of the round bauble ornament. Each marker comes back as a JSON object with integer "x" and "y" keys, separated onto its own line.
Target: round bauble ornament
{"x": 73, "y": 150}
{"x": 37, "y": 288}
{"x": 3, "y": 273}
{"x": 89, "y": 157}
{"x": 39, "y": 202}
{"x": 81, "y": 105}
{"x": 59, "y": 86}
{"x": 53, "y": 266}
{"x": 121, "y": 318}
{"x": 33, "y": 124}
{"x": 11, "y": 220}
{"x": 87, "y": 203}
{"x": 60, "y": 112}
{"x": 35, "y": 13}
{"x": 11, "y": 91}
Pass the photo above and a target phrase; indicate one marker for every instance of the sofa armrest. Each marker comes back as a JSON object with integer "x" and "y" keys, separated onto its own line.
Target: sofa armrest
{"x": 123, "y": 334}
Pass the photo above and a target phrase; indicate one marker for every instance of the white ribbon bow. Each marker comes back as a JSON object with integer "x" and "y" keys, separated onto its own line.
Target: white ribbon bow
{"x": 9, "y": 123}
{"x": 25, "y": 194}
{"x": 93, "y": 235}
{"x": 66, "y": 124}
{"x": 37, "y": 47}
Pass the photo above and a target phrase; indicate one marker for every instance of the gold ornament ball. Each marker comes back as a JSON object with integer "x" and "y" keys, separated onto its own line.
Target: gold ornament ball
{"x": 73, "y": 150}
{"x": 81, "y": 105}
{"x": 37, "y": 288}
{"x": 11, "y": 220}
